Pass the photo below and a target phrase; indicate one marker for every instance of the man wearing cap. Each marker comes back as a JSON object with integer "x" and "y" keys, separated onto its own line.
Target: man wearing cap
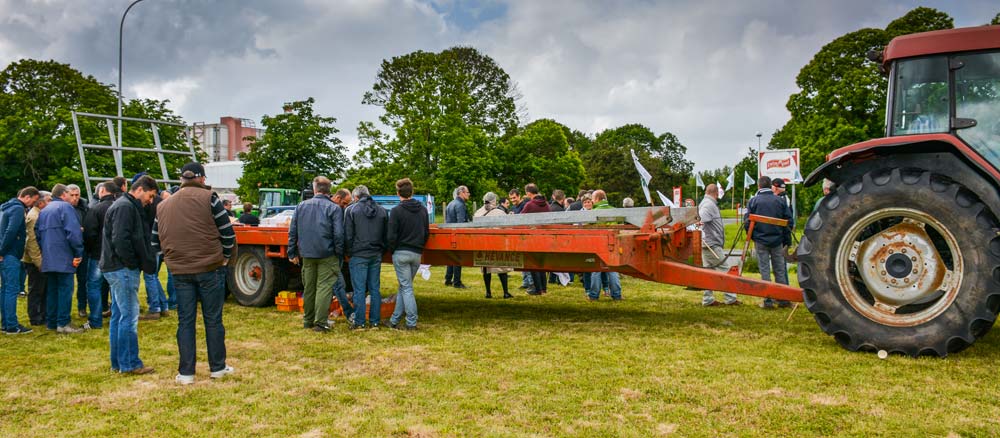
{"x": 768, "y": 239}
{"x": 193, "y": 234}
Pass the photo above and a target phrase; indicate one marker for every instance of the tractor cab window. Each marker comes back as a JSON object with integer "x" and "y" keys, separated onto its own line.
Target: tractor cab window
{"x": 977, "y": 98}
{"x": 920, "y": 104}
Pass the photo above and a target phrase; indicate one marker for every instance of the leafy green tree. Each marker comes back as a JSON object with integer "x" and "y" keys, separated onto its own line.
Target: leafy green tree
{"x": 37, "y": 142}
{"x": 996, "y": 19}
{"x": 297, "y": 145}
{"x": 447, "y": 112}
{"x": 609, "y": 165}
{"x": 540, "y": 153}
{"x": 842, "y": 94}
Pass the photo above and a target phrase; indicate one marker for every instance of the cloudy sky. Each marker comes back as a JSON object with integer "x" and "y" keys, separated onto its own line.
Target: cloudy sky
{"x": 712, "y": 72}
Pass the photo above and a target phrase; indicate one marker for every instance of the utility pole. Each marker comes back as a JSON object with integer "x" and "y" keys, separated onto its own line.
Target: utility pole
{"x": 121, "y": 28}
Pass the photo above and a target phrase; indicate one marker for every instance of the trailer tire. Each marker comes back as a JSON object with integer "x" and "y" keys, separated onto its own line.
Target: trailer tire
{"x": 936, "y": 299}
{"x": 254, "y": 278}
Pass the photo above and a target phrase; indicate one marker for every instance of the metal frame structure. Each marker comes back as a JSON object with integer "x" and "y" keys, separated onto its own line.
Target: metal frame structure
{"x": 117, "y": 149}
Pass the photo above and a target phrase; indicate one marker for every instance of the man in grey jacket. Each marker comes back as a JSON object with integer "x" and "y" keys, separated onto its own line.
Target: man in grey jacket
{"x": 456, "y": 213}
{"x": 713, "y": 240}
{"x": 320, "y": 222}
{"x": 364, "y": 224}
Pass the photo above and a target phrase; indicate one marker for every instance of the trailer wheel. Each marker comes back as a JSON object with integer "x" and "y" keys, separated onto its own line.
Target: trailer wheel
{"x": 254, "y": 278}
{"x": 902, "y": 260}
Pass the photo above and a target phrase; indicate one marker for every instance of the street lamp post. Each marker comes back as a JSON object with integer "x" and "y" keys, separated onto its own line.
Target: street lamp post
{"x": 759, "y": 134}
{"x": 121, "y": 28}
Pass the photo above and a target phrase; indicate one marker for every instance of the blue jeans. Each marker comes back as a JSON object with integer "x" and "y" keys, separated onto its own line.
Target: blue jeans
{"x": 95, "y": 281}
{"x": 526, "y": 281}
{"x": 58, "y": 298}
{"x": 10, "y": 275}
{"x": 340, "y": 291}
{"x": 209, "y": 288}
{"x": 406, "y": 264}
{"x": 365, "y": 272}
{"x": 585, "y": 281}
{"x": 772, "y": 259}
{"x": 123, "y": 327}
{"x": 156, "y": 298}
{"x": 171, "y": 291}
{"x": 613, "y": 282}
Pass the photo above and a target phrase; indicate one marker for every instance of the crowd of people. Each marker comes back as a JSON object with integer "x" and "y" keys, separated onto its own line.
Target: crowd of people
{"x": 54, "y": 239}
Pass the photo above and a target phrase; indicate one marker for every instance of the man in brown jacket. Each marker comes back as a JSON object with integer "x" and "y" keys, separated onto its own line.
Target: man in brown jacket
{"x": 32, "y": 262}
{"x": 193, "y": 233}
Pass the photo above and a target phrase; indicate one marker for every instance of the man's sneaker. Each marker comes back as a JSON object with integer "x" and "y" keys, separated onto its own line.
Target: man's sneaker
{"x": 320, "y": 328}
{"x": 374, "y": 327}
{"x": 22, "y": 294}
{"x": 164, "y": 314}
{"x": 86, "y": 326}
{"x": 19, "y": 330}
{"x": 81, "y": 314}
{"x": 395, "y": 326}
{"x": 460, "y": 286}
{"x": 68, "y": 329}
{"x": 150, "y": 316}
{"x": 350, "y": 318}
{"x": 353, "y": 326}
{"x": 106, "y": 313}
{"x": 221, "y": 373}
{"x": 184, "y": 380}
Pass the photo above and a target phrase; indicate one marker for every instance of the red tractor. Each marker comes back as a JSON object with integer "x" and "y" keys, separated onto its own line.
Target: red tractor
{"x": 904, "y": 254}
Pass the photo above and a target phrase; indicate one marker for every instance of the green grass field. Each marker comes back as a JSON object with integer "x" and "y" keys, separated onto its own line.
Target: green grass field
{"x": 656, "y": 364}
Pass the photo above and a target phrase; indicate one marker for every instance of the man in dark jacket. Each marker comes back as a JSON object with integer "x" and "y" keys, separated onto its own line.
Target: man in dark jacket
{"x": 247, "y": 218}
{"x": 558, "y": 198}
{"x": 81, "y": 207}
{"x": 320, "y": 223}
{"x": 456, "y": 213}
{"x": 536, "y": 204}
{"x": 407, "y": 234}
{"x": 516, "y": 201}
{"x": 365, "y": 225}
{"x": 125, "y": 251}
{"x": 12, "y": 238}
{"x": 193, "y": 236}
{"x": 578, "y": 203}
{"x": 60, "y": 238}
{"x": 767, "y": 238}
{"x": 156, "y": 297}
{"x": 93, "y": 229}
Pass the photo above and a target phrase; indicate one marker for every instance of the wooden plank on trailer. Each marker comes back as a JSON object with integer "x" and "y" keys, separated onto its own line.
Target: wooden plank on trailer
{"x": 634, "y": 216}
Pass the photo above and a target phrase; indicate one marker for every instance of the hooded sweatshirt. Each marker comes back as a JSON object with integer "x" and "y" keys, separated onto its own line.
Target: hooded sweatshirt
{"x": 536, "y": 205}
{"x": 408, "y": 227}
{"x": 12, "y": 231}
{"x": 365, "y": 225}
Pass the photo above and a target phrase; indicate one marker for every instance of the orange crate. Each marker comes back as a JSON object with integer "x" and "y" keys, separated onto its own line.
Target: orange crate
{"x": 285, "y": 308}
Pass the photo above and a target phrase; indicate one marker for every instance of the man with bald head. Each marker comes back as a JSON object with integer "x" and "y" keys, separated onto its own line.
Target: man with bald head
{"x": 316, "y": 242}
{"x": 713, "y": 240}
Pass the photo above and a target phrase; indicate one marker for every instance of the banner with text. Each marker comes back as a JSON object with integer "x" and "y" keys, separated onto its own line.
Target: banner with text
{"x": 782, "y": 163}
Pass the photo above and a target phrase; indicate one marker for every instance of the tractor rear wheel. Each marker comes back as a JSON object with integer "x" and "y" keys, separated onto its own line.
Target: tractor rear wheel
{"x": 254, "y": 278}
{"x": 904, "y": 260}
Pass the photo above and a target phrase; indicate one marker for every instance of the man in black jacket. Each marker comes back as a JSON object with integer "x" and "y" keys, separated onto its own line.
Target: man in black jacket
{"x": 768, "y": 239}
{"x": 93, "y": 228}
{"x": 407, "y": 234}
{"x": 558, "y": 201}
{"x": 125, "y": 249}
{"x": 364, "y": 231}
{"x": 456, "y": 213}
{"x": 80, "y": 206}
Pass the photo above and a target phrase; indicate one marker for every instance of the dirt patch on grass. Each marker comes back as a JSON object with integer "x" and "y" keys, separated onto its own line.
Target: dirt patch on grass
{"x": 628, "y": 394}
{"x": 828, "y": 400}
{"x": 664, "y": 429}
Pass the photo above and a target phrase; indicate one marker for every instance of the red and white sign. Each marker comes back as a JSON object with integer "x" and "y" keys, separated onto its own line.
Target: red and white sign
{"x": 677, "y": 196}
{"x": 782, "y": 163}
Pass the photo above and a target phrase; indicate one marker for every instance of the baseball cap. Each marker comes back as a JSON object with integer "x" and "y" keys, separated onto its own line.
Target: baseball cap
{"x": 136, "y": 177}
{"x": 778, "y": 182}
{"x": 192, "y": 170}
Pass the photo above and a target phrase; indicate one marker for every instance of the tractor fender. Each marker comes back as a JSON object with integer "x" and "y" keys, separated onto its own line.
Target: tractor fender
{"x": 942, "y": 153}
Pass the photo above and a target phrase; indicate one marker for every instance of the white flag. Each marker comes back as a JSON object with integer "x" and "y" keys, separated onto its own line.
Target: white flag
{"x": 644, "y": 177}
{"x": 730, "y": 180}
{"x": 697, "y": 181}
{"x": 666, "y": 201}
{"x": 722, "y": 192}
{"x": 747, "y": 181}
{"x": 424, "y": 271}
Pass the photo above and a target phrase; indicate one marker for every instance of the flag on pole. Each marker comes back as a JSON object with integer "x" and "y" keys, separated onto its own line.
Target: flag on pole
{"x": 722, "y": 192}
{"x": 730, "y": 180}
{"x": 665, "y": 200}
{"x": 747, "y": 180}
{"x": 644, "y": 177}
{"x": 697, "y": 181}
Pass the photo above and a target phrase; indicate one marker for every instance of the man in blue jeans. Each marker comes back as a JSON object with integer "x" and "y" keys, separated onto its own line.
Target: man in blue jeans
{"x": 406, "y": 234}
{"x": 60, "y": 238}
{"x": 125, "y": 251}
{"x": 193, "y": 234}
{"x": 12, "y": 238}
{"x": 365, "y": 226}
{"x": 93, "y": 233}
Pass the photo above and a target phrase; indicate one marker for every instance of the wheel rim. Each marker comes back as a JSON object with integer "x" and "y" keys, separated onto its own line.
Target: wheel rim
{"x": 899, "y": 267}
{"x": 247, "y": 283}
